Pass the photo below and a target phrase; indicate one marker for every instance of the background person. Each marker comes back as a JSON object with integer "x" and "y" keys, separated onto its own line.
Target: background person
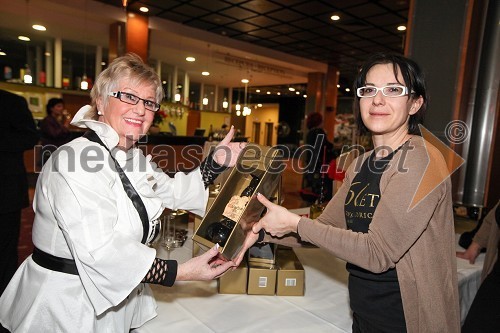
{"x": 18, "y": 134}
{"x": 54, "y": 130}
{"x": 96, "y": 204}
{"x": 484, "y": 313}
{"x": 400, "y": 254}
{"x": 314, "y": 181}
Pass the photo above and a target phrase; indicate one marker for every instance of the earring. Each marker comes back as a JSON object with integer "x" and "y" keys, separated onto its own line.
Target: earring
{"x": 99, "y": 113}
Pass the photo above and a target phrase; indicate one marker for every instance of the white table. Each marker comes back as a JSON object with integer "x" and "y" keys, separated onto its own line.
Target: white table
{"x": 197, "y": 307}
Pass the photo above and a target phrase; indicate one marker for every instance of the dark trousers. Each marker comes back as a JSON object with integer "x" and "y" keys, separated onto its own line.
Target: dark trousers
{"x": 484, "y": 313}
{"x": 10, "y": 224}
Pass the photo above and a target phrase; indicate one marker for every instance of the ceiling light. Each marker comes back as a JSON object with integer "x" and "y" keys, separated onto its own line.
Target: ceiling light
{"x": 305, "y": 96}
{"x": 244, "y": 81}
{"x": 269, "y": 93}
{"x": 402, "y": 28}
{"x": 297, "y": 93}
{"x": 190, "y": 59}
{"x": 338, "y": 85}
{"x": 2, "y": 53}
{"x": 278, "y": 93}
{"x": 103, "y": 63}
{"x": 258, "y": 90}
{"x": 47, "y": 54}
{"x": 205, "y": 73}
{"x": 144, "y": 9}
{"x": 335, "y": 17}
{"x": 347, "y": 89}
{"x": 291, "y": 89}
{"x": 39, "y": 27}
{"x": 24, "y": 38}
{"x": 259, "y": 105}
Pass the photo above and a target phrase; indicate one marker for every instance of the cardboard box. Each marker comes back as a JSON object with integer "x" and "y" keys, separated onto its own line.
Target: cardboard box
{"x": 261, "y": 161}
{"x": 234, "y": 282}
{"x": 261, "y": 279}
{"x": 291, "y": 274}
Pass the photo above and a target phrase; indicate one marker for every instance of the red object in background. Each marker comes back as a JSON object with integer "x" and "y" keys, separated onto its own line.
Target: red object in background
{"x": 42, "y": 77}
{"x": 333, "y": 173}
{"x": 65, "y": 82}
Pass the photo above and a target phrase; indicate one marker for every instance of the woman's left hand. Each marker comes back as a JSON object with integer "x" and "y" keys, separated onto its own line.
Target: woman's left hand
{"x": 227, "y": 152}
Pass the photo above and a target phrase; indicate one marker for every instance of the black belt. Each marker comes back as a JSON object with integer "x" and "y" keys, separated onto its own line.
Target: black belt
{"x": 54, "y": 263}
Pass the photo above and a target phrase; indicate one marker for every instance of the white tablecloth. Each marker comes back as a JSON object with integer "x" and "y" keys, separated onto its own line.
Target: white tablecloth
{"x": 197, "y": 307}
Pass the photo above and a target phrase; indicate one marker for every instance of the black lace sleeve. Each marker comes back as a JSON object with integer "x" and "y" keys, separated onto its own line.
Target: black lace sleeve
{"x": 210, "y": 169}
{"x": 162, "y": 272}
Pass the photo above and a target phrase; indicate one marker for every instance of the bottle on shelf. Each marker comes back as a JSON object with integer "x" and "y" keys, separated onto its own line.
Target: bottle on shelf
{"x": 218, "y": 232}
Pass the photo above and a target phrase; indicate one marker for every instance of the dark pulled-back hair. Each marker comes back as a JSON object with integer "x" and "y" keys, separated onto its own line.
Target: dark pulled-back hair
{"x": 314, "y": 119}
{"x": 413, "y": 79}
{"x": 53, "y": 102}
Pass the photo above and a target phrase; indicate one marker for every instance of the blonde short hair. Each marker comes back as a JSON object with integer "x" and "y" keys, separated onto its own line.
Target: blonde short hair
{"x": 128, "y": 67}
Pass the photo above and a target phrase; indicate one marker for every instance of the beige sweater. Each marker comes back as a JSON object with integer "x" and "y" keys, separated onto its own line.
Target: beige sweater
{"x": 419, "y": 242}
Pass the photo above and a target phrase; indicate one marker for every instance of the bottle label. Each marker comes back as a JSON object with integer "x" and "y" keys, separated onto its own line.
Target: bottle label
{"x": 235, "y": 207}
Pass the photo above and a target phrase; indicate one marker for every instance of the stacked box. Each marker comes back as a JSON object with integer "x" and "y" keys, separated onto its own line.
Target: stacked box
{"x": 261, "y": 279}
{"x": 234, "y": 282}
{"x": 291, "y": 275}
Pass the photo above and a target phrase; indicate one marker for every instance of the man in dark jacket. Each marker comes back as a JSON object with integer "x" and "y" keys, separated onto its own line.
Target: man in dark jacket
{"x": 17, "y": 134}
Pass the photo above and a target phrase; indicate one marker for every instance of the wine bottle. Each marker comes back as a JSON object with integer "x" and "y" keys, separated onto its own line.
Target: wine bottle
{"x": 218, "y": 232}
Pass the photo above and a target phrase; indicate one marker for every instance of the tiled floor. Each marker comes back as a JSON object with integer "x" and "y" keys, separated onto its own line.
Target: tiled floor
{"x": 291, "y": 185}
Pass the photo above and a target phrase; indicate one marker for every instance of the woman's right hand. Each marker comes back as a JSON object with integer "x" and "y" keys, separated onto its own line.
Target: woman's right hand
{"x": 471, "y": 253}
{"x": 208, "y": 266}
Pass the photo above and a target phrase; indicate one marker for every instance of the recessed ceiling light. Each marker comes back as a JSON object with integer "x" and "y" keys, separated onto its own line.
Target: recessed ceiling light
{"x": 338, "y": 85}
{"x": 291, "y": 89}
{"x": 347, "y": 89}
{"x": 2, "y": 53}
{"x": 24, "y": 38}
{"x": 190, "y": 59}
{"x": 144, "y": 9}
{"x": 47, "y": 54}
{"x": 205, "y": 73}
{"x": 297, "y": 93}
{"x": 335, "y": 17}
{"x": 402, "y": 28}
{"x": 164, "y": 82}
{"x": 103, "y": 63}
{"x": 259, "y": 105}
{"x": 244, "y": 81}
{"x": 39, "y": 27}
{"x": 269, "y": 93}
{"x": 278, "y": 93}
{"x": 257, "y": 90}
{"x": 305, "y": 96}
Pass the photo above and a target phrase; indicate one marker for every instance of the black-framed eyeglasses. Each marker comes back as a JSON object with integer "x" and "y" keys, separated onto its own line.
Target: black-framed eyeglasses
{"x": 394, "y": 90}
{"x": 133, "y": 99}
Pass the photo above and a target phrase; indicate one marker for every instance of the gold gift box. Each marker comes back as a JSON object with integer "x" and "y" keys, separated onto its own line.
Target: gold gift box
{"x": 291, "y": 275}
{"x": 264, "y": 162}
{"x": 261, "y": 279}
{"x": 234, "y": 282}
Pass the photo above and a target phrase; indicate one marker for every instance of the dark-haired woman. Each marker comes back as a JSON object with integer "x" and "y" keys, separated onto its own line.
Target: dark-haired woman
{"x": 391, "y": 220}
{"x": 54, "y": 130}
{"x": 321, "y": 153}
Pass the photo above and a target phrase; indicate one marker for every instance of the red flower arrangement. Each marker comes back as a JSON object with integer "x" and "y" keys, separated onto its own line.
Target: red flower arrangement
{"x": 160, "y": 115}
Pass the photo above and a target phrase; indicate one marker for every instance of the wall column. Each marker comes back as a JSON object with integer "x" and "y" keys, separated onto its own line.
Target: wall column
{"x": 331, "y": 92}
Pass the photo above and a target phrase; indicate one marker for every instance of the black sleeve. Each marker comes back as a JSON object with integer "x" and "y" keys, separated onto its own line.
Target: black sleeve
{"x": 210, "y": 169}
{"x": 162, "y": 272}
